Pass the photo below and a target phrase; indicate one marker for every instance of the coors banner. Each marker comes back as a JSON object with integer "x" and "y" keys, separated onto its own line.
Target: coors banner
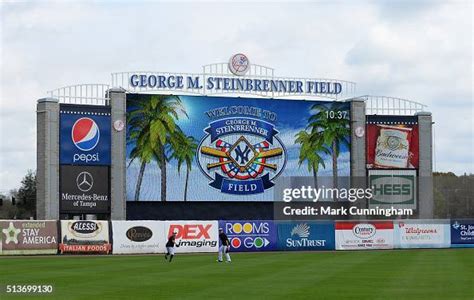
{"x": 392, "y": 142}
{"x": 28, "y": 237}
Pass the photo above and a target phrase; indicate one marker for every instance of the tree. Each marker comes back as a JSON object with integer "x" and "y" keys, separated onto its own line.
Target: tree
{"x": 310, "y": 152}
{"x": 26, "y": 194}
{"x": 184, "y": 150}
{"x": 334, "y": 129}
{"x": 152, "y": 123}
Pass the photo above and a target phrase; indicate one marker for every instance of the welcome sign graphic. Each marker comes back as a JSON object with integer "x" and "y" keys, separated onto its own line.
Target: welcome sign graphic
{"x": 201, "y": 148}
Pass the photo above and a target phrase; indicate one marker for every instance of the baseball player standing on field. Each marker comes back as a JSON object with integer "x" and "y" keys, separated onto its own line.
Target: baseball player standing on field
{"x": 225, "y": 246}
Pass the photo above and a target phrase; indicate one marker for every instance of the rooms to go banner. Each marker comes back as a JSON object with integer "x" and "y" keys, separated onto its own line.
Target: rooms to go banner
{"x": 84, "y": 236}
{"x": 28, "y": 237}
{"x": 199, "y": 148}
{"x": 138, "y": 237}
{"x": 250, "y": 235}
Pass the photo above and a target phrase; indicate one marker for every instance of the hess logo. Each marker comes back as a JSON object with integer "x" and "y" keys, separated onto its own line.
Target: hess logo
{"x": 85, "y": 134}
{"x": 190, "y": 232}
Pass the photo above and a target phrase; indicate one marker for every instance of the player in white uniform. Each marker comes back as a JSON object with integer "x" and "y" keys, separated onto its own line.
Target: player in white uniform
{"x": 225, "y": 246}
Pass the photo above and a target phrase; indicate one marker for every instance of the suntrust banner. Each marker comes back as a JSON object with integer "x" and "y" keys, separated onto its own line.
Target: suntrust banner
{"x": 422, "y": 234}
{"x": 138, "y": 237}
{"x": 306, "y": 235}
{"x": 364, "y": 235}
{"x": 250, "y": 235}
{"x": 28, "y": 237}
{"x": 194, "y": 236}
{"x": 84, "y": 236}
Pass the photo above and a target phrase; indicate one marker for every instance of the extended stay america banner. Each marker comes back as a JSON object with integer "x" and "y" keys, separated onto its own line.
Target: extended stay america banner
{"x": 28, "y": 237}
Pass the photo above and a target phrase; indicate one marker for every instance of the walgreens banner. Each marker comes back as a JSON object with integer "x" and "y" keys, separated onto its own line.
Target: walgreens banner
{"x": 364, "y": 235}
{"x": 84, "y": 236}
{"x": 138, "y": 237}
{"x": 250, "y": 235}
{"x": 194, "y": 236}
{"x": 422, "y": 234}
{"x": 28, "y": 237}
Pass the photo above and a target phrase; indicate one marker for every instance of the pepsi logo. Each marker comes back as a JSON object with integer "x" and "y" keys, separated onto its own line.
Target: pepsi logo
{"x": 85, "y": 134}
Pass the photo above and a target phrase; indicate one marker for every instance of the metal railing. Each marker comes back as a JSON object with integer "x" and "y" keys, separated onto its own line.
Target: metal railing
{"x": 383, "y": 105}
{"x": 90, "y": 94}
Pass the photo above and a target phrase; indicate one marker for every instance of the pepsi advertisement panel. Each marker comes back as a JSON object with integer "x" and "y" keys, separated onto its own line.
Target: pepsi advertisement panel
{"x": 306, "y": 236}
{"x": 250, "y": 235}
{"x": 201, "y": 148}
{"x": 462, "y": 233}
{"x": 85, "y": 135}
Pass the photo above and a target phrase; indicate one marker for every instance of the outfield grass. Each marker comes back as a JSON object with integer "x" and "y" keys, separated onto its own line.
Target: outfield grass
{"x": 398, "y": 274}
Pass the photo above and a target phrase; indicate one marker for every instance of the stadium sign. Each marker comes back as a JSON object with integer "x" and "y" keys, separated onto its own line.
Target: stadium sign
{"x": 238, "y": 76}
{"x": 462, "y": 233}
{"x": 138, "y": 237}
{"x": 366, "y": 235}
{"x": 84, "y": 237}
{"x": 422, "y": 234}
{"x": 194, "y": 236}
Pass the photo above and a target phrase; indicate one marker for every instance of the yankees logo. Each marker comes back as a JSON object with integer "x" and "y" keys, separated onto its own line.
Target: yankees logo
{"x": 243, "y": 158}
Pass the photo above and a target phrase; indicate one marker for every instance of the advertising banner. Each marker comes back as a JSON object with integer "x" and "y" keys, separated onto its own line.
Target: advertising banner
{"x": 393, "y": 188}
{"x": 241, "y": 146}
{"x": 138, "y": 237}
{"x": 422, "y": 234}
{"x": 85, "y": 135}
{"x": 194, "y": 236}
{"x": 250, "y": 235}
{"x": 84, "y": 189}
{"x": 306, "y": 236}
{"x": 392, "y": 142}
{"x": 364, "y": 235}
{"x": 462, "y": 233}
{"x": 28, "y": 237}
{"x": 84, "y": 236}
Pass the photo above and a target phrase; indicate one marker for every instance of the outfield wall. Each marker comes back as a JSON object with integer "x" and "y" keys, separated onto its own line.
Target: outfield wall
{"x": 28, "y": 237}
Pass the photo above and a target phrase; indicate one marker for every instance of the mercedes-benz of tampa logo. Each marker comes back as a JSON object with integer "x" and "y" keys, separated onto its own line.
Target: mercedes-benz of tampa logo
{"x": 84, "y": 181}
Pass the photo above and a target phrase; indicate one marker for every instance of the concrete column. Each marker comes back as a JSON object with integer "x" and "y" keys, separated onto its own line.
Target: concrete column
{"x": 47, "y": 159}
{"x": 425, "y": 170}
{"x": 358, "y": 156}
{"x": 117, "y": 168}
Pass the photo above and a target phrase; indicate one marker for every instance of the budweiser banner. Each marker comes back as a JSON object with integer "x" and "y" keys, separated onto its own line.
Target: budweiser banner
{"x": 28, "y": 237}
{"x": 138, "y": 237}
{"x": 194, "y": 236}
{"x": 422, "y": 234}
{"x": 84, "y": 236}
{"x": 364, "y": 235}
{"x": 392, "y": 142}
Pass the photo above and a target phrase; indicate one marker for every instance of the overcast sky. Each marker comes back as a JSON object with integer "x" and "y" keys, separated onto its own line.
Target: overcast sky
{"x": 419, "y": 50}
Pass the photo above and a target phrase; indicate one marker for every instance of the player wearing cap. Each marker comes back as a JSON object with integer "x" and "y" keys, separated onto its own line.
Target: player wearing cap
{"x": 225, "y": 246}
{"x": 170, "y": 246}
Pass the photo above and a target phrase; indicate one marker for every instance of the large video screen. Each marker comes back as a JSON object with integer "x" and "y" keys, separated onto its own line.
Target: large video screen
{"x": 200, "y": 148}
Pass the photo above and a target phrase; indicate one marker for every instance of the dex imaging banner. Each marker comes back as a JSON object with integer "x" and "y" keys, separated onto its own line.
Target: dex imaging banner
{"x": 422, "y": 234}
{"x": 28, "y": 237}
{"x": 363, "y": 236}
{"x": 306, "y": 236}
{"x": 194, "y": 236}
{"x": 84, "y": 236}
{"x": 250, "y": 235}
{"x": 138, "y": 237}
{"x": 84, "y": 135}
{"x": 392, "y": 142}
{"x": 238, "y": 147}
{"x": 462, "y": 233}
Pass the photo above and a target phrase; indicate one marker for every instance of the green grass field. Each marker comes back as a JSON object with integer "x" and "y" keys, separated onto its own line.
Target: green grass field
{"x": 398, "y": 274}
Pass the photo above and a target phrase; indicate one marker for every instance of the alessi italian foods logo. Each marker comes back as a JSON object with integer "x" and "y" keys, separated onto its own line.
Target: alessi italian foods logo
{"x": 241, "y": 155}
{"x": 84, "y": 228}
